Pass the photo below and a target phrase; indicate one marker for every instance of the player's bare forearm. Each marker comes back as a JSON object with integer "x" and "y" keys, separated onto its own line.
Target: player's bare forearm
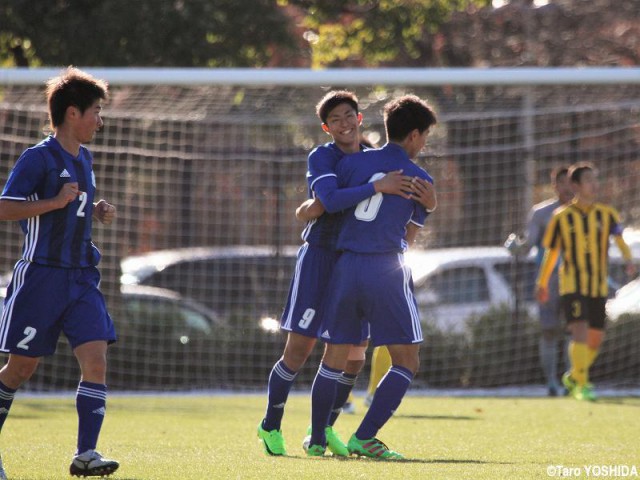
{"x": 394, "y": 183}
{"x": 424, "y": 193}
{"x": 21, "y": 209}
{"x": 309, "y": 210}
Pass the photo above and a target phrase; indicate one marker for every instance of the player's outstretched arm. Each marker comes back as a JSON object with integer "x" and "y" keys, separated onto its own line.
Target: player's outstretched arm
{"x": 335, "y": 199}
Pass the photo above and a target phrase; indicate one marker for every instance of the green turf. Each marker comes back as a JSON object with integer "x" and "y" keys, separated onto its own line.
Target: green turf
{"x": 214, "y": 437}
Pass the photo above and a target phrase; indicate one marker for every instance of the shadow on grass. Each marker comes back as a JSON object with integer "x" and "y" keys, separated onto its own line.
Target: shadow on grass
{"x": 436, "y": 417}
{"x": 40, "y": 409}
{"x": 627, "y": 402}
{"x": 406, "y": 460}
{"x": 46, "y": 406}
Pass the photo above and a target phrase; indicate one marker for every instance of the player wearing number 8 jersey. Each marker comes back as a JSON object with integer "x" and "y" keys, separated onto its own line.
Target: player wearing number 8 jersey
{"x": 371, "y": 285}
{"x": 302, "y": 317}
{"x": 54, "y": 288}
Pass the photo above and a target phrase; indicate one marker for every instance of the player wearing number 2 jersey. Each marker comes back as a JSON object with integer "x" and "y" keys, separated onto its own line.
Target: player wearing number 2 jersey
{"x": 371, "y": 285}
{"x": 54, "y": 288}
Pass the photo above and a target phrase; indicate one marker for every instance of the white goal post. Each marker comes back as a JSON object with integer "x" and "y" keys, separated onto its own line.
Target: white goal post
{"x": 215, "y": 160}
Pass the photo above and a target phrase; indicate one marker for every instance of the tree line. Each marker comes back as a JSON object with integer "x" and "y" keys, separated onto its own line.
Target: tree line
{"x": 318, "y": 34}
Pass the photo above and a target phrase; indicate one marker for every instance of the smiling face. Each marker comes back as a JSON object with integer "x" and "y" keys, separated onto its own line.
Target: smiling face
{"x": 343, "y": 124}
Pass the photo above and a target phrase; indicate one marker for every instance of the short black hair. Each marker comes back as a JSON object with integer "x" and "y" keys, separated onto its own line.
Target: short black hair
{"x": 405, "y": 114}
{"x": 556, "y": 173}
{"x": 72, "y": 88}
{"x": 578, "y": 169}
{"x": 334, "y": 98}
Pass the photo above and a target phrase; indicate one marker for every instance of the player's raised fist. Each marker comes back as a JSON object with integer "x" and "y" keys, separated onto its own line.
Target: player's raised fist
{"x": 104, "y": 212}
{"x": 68, "y": 193}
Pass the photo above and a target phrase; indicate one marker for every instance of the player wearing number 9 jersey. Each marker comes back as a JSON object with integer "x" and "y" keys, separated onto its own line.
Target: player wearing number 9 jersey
{"x": 302, "y": 316}
{"x": 370, "y": 284}
{"x": 54, "y": 288}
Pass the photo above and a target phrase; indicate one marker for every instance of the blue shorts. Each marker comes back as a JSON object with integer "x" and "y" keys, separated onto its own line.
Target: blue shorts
{"x": 303, "y": 312}
{"x": 371, "y": 293}
{"x": 44, "y": 301}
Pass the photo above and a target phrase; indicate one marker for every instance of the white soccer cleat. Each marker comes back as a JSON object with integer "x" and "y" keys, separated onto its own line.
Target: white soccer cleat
{"x": 349, "y": 408}
{"x": 3, "y": 475}
{"x": 92, "y": 464}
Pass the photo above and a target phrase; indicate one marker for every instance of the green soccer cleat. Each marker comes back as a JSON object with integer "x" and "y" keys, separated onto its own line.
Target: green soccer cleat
{"x": 315, "y": 450}
{"x": 372, "y": 448}
{"x": 334, "y": 442}
{"x": 569, "y": 383}
{"x": 585, "y": 393}
{"x": 273, "y": 441}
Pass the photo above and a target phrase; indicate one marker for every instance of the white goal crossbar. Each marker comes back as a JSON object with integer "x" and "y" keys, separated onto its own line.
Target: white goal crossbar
{"x": 351, "y": 76}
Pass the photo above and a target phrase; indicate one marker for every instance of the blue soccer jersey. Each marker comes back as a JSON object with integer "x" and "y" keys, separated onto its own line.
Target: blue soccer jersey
{"x": 322, "y": 231}
{"x": 371, "y": 284}
{"x": 60, "y": 238}
{"x": 321, "y": 178}
{"x": 378, "y": 224}
{"x": 317, "y": 257}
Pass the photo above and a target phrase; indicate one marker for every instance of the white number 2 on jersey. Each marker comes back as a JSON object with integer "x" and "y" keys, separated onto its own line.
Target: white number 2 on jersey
{"x": 83, "y": 203}
{"x": 367, "y": 210}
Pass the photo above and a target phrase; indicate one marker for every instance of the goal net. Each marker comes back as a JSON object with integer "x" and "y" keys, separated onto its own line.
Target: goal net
{"x": 206, "y": 175}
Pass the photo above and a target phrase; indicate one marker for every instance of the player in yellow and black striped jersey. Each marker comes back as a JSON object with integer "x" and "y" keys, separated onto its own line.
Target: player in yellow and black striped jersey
{"x": 580, "y": 232}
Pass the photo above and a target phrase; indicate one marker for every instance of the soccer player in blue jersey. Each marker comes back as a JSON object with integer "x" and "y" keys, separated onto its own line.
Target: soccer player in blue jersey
{"x": 340, "y": 116}
{"x": 371, "y": 286}
{"x": 54, "y": 288}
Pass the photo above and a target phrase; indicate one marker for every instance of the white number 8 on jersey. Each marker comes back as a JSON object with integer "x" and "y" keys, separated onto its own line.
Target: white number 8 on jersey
{"x": 367, "y": 210}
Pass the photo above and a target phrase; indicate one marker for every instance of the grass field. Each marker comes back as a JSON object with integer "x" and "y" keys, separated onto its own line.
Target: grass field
{"x": 213, "y": 437}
